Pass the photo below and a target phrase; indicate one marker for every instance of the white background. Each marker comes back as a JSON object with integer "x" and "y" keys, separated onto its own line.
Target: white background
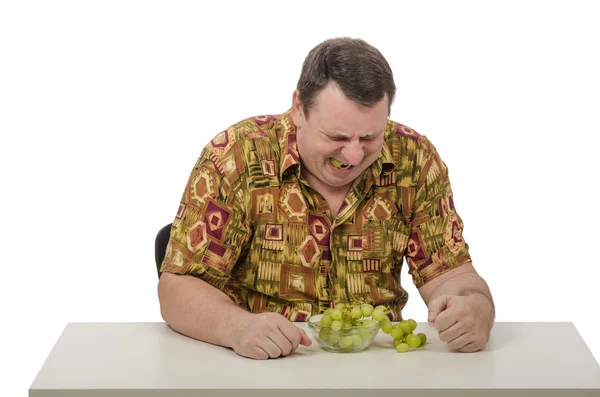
{"x": 105, "y": 106}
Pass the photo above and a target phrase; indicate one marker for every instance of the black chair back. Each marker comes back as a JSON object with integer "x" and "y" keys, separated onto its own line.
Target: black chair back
{"x": 160, "y": 246}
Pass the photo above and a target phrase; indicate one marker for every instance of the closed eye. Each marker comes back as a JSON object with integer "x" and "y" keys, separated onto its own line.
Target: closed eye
{"x": 337, "y": 138}
{"x": 342, "y": 138}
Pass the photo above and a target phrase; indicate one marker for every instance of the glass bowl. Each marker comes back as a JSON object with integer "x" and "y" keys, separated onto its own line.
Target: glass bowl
{"x": 347, "y": 340}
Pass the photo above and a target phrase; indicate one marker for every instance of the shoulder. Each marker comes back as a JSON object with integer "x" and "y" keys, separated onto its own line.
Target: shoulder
{"x": 400, "y": 136}
{"x": 261, "y": 127}
{"x": 243, "y": 146}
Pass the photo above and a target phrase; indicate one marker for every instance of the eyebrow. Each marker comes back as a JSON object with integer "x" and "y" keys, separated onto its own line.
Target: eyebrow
{"x": 344, "y": 136}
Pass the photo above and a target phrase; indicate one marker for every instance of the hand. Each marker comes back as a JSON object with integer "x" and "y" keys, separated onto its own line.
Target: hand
{"x": 265, "y": 335}
{"x": 461, "y": 321}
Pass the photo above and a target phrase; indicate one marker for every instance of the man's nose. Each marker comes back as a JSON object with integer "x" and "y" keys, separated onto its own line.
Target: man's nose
{"x": 353, "y": 153}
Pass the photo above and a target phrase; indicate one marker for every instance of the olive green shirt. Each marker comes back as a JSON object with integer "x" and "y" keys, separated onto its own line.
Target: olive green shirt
{"x": 252, "y": 226}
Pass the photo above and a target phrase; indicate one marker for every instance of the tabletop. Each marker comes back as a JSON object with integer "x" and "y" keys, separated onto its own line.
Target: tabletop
{"x": 151, "y": 359}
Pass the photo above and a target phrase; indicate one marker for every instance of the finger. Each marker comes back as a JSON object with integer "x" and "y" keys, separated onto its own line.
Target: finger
{"x": 452, "y": 332}
{"x": 282, "y": 342}
{"x": 445, "y": 320}
{"x": 437, "y": 306}
{"x": 295, "y": 334}
{"x": 305, "y": 341}
{"x": 460, "y": 342}
{"x": 270, "y": 347}
{"x": 291, "y": 332}
{"x": 256, "y": 353}
{"x": 469, "y": 348}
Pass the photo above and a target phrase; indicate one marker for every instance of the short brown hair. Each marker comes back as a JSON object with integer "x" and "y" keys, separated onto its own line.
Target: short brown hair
{"x": 358, "y": 68}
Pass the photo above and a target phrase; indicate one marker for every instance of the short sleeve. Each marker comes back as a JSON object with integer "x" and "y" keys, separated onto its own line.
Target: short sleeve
{"x": 210, "y": 229}
{"x": 436, "y": 242}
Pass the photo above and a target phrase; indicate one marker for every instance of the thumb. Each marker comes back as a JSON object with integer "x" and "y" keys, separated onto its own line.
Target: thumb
{"x": 304, "y": 339}
{"x": 436, "y": 306}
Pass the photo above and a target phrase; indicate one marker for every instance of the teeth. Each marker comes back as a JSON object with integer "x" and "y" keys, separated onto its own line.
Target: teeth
{"x": 339, "y": 164}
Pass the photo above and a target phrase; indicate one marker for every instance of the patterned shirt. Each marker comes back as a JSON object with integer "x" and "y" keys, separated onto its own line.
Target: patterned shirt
{"x": 251, "y": 225}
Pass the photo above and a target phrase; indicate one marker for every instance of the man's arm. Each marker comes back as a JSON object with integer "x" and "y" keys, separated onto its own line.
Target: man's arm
{"x": 195, "y": 308}
{"x": 461, "y": 307}
{"x": 462, "y": 281}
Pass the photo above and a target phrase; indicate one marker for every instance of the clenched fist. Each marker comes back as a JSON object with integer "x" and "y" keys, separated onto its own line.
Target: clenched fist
{"x": 463, "y": 322}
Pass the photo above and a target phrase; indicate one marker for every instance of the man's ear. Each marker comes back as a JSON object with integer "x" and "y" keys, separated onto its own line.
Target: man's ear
{"x": 297, "y": 109}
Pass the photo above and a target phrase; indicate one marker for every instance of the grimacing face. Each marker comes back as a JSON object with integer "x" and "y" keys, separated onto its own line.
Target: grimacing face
{"x": 339, "y": 139}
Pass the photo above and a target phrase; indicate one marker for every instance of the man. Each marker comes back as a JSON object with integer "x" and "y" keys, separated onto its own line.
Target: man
{"x": 352, "y": 194}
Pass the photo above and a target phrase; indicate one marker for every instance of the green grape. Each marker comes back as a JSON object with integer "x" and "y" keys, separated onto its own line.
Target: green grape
{"x": 423, "y": 338}
{"x": 364, "y": 333}
{"x": 398, "y": 341}
{"x": 405, "y": 326}
{"x": 356, "y": 340}
{"x": 346, "y": 324}
{"x": 326, "y": 320}
{"x": 402, "y": 348}
{"x": 336, "y": 314}
{"x": 386, "y": 326}
{"x": 413, "y": 324}
{"x": 328, "y": 312}
{"x": 334, "y": 338}
{"x": 345, "y": 342}
{"x": 356, "y": 312}
{"x": 378, "y": 315}
{"x": 413, "y": 340}
{"x": 396, "y": 331}
{"x": 336, "y": 325}
{"x": 366, "y": 309}
{"x": 381, "y": 308}
{"x": 324, "y": 333}
{"x": 340, "y": 306}
{"x": 369, "y": 323}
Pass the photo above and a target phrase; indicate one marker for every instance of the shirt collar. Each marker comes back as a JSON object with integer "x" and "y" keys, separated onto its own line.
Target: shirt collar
{"x": 289, "y": 150}
{"x": 384, "y": 163}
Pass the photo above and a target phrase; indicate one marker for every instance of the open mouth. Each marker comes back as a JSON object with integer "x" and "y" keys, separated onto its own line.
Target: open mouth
{"x": 339, "y": 164}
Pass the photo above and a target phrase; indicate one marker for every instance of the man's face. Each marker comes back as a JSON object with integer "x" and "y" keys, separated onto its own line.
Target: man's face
{"x": 339, "y": 140}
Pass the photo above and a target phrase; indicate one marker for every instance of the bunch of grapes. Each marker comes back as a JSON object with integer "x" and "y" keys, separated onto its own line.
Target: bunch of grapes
{"x": 338, "y": 320}
{"x": 403, "y": 334}
{"x": 343, "y": 317}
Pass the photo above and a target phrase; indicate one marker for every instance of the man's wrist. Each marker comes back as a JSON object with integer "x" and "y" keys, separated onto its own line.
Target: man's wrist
{"x": 474, "y": 291}
{"x": 234, "y": 320}
{"x": 484, "y": 299}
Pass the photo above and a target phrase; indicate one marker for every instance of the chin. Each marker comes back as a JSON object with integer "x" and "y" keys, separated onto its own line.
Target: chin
{"x": 341, "y": 182}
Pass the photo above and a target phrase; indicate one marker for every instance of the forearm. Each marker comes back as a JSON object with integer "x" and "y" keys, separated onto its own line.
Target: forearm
{"x": 468, "y": 284}
{"x": 197, "y": 309}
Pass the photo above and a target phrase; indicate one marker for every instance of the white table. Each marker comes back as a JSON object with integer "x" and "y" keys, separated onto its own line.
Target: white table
{"x": 150, "y": 359}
